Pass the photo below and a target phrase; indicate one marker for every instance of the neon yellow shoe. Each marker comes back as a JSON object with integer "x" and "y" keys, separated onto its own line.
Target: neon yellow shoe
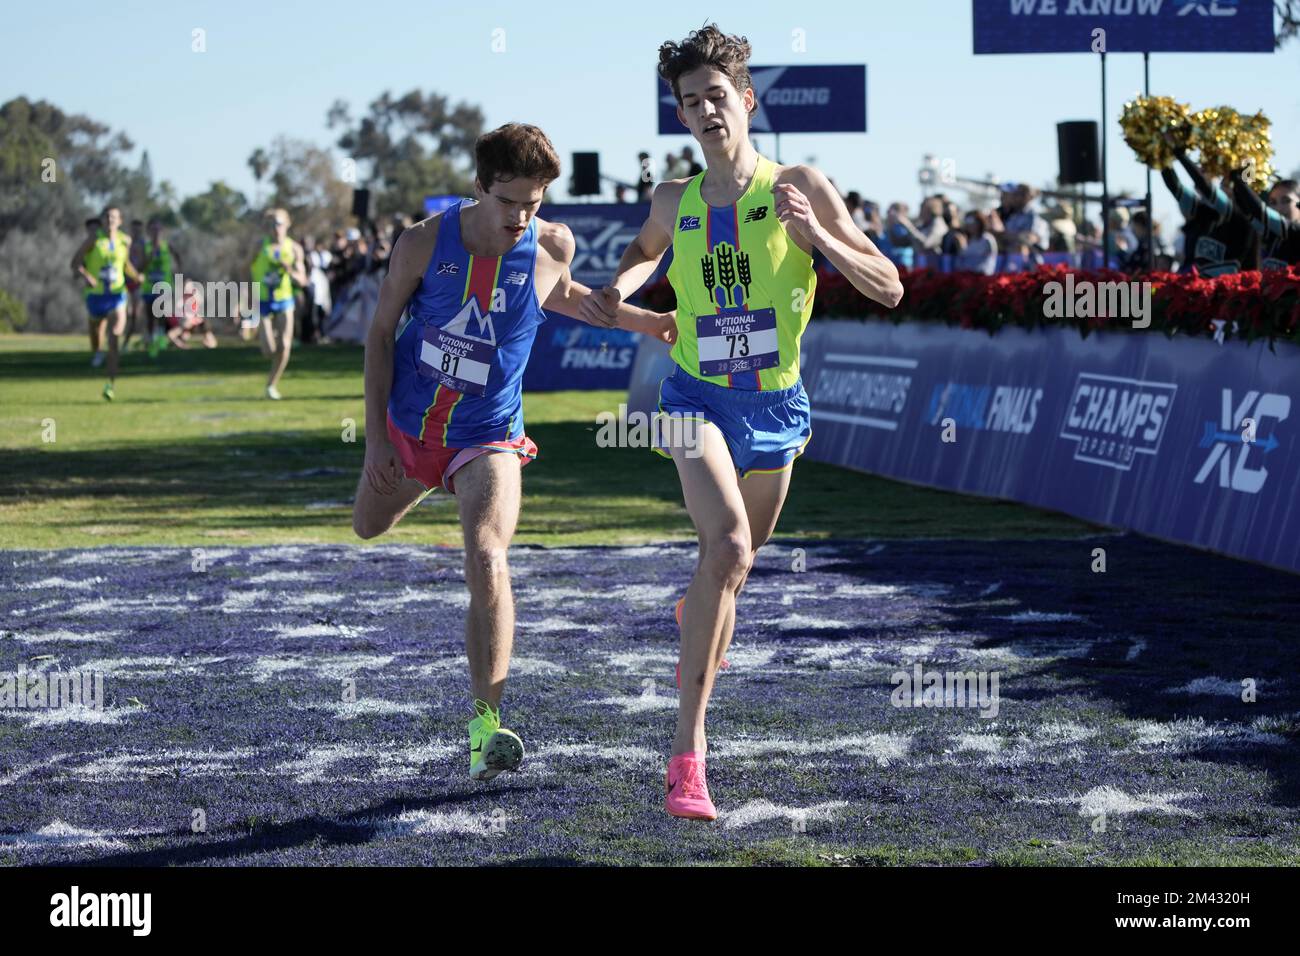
{"x": 108, "y": 392}
{"x": 492, "y": 748}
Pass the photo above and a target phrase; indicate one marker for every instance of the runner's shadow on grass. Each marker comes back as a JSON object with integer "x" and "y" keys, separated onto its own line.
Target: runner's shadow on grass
{"x": 348, "y": 830}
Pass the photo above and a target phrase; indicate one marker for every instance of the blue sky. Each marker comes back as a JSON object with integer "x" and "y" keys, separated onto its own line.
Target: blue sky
{"x": 584, "y": 72}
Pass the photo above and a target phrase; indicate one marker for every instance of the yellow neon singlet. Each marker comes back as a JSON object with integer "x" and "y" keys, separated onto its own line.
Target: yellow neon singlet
{"x": 271, "y": 268}
{"x": 106, "y": 261}
{"x": 744, "y": 289}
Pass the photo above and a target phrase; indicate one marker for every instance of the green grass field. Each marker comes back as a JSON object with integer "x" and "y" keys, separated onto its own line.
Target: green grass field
{"x": 192, "y": 453}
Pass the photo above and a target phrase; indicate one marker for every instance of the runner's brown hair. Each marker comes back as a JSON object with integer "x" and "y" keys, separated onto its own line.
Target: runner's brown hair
{"x": 514, "y": 150}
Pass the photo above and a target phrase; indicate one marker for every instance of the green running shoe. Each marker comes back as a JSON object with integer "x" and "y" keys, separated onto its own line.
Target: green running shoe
{"x": 108, "y": 391}
{"x": 492, "y": 748}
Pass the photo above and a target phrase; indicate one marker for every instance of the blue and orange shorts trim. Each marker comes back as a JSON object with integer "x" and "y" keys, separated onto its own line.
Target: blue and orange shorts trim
{"x": 765, "y": 431}
{"x": 433, "y": 464}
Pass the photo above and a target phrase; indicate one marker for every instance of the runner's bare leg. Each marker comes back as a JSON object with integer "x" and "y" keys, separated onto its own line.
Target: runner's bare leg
{"x": 281, "y": 339}
{"x": 764, "y": 496}
{"x": 713, "y": 500}
{"x": 488, "y": 492}
{"x": 374, "y": 514}
{"x": 116, "y": 326}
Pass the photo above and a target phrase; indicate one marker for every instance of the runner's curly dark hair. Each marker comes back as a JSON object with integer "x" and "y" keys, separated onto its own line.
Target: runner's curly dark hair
{"x": 707, "y": 46}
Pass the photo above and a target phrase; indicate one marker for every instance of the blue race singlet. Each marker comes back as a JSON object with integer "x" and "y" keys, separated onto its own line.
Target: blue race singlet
{"x": 458, "y": 365}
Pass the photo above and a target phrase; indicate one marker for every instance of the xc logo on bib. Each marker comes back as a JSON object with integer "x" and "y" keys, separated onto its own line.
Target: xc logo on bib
{"x": 737, "y": 340}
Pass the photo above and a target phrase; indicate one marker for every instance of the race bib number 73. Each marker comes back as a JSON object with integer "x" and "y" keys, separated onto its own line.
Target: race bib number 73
{"x": 456, "y": 362}
{"x": 737, "y": 340}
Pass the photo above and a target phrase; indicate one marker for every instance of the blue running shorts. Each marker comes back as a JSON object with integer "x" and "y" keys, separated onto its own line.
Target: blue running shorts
{"x": 765, "y": 431}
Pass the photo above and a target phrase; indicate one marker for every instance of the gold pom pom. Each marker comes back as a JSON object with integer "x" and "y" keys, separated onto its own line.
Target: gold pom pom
{"x": 1257, "y": 148}
{"x": 1149, "y": 122}
{"x": 1228, "y": 141}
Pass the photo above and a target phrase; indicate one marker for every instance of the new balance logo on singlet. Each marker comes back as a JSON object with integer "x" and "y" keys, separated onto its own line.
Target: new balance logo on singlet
{"x": 755, "y": 214}
{"x": 517, "y": 278}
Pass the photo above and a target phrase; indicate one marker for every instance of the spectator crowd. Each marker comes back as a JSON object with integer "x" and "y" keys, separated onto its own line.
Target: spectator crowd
{"x": 1227, "y": 228}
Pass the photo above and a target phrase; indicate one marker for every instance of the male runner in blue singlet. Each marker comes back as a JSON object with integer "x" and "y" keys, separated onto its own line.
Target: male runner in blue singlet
{"x": 444, "y": 391}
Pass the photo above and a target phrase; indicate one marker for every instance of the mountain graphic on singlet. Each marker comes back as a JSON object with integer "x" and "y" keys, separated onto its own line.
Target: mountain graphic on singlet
{"x": 468, "y": 313}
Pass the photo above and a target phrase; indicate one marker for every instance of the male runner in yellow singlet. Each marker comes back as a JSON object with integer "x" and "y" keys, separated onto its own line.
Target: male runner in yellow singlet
{"x": 280, "y": 265}
{"x": 103, "y": 261}
{"x": 742, "y": 234}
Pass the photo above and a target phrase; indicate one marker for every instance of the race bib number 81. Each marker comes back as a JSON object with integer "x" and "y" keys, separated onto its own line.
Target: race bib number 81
{"x": 458, "y": 363}
{"x": 738, "y": 340}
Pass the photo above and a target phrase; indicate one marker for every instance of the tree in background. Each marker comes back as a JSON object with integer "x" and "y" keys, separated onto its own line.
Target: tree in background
{"x": 218, "y": 227}
{"x": 13, "y": 314}
{"x": 415, "y": 145}
{"x": 1288, "y": 14}
{"x": 259, "y": 163}
{"x": 137, "y": 193}
{"x": 34, "y": 270}
{"x": 220, "y": 209}
{"x": 57, "y": 167}
{"x": 304, "y": 180}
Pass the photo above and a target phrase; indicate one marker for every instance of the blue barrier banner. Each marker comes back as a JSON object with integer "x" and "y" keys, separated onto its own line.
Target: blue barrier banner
{"x": 601, "y": 233}
{"x": 1132, "y": 26}
{"x": 568, "y": 354}
{"x": 792, "y": 99}
{"x": 436, "y": 204}
{"x": 1183, "y": 439}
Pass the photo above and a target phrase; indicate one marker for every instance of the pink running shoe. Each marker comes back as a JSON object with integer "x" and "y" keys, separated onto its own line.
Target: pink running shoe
{"x": 686, "y": 793}
{"x": 681, "y": 601}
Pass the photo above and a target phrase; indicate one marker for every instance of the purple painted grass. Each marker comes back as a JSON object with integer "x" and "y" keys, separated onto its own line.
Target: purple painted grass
{"x": 1119, "y": 695}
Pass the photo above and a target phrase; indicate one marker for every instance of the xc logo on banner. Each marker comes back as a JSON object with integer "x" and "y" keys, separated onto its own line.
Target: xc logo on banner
{"x": 1240, "y": 425}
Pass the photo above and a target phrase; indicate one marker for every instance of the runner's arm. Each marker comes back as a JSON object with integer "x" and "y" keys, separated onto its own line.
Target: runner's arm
{"x": 567, "y": 295}
{"x": 642, "y": 255}
{"x": 823, "y": 217}
{"x": 79, "y": 261}
{"x": 640, "y": 259}
{"x": 404, "y": 274}
{"x": 132, "y": 272}
{"x": 298, "y": 273}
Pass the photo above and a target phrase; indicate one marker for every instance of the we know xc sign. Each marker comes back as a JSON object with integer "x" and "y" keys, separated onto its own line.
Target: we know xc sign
{"x": 1132, "y": 26}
